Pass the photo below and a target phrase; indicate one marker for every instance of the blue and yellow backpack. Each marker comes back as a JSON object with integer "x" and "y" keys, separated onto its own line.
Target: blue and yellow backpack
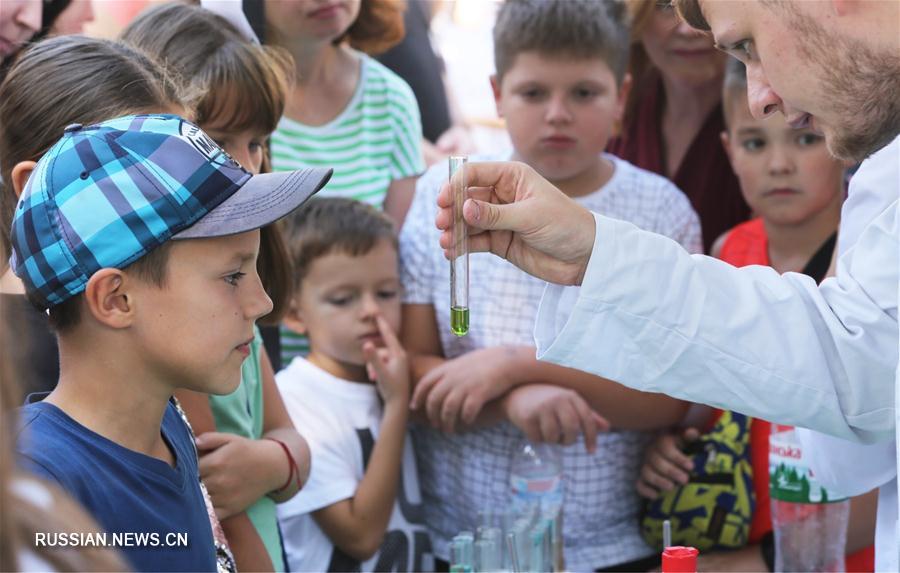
{"x": 715, "y": 508}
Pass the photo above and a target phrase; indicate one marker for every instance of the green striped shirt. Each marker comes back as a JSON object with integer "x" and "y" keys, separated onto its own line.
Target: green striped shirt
{"x": 375, "y": 140}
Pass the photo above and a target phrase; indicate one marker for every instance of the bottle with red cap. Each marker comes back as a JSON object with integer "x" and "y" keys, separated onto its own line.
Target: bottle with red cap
{"x": 677, "y": 559}
{"x": 809, "y": 520}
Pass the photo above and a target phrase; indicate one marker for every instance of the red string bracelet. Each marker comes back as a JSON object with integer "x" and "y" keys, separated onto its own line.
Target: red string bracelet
{"x": 292, "y": 465}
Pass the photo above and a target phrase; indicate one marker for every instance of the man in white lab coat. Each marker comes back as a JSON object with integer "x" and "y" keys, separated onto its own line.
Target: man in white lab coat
{"x": 745, "y": 339}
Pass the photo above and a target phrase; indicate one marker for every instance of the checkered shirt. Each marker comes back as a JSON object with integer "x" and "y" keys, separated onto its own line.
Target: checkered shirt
{"x": 462, "y": 474}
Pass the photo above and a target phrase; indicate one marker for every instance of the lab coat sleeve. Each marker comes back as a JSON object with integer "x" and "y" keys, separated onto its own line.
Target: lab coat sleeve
{"x": 778, "y": 347}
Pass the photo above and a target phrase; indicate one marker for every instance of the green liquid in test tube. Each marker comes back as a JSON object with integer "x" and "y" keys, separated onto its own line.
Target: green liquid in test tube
{"x": 459, "y": 263}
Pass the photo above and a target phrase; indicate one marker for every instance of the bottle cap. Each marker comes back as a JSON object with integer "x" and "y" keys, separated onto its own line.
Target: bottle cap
{"x": 677, "y": 559}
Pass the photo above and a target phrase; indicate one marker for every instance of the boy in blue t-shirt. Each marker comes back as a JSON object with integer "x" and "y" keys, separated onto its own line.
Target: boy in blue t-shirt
{"x": 139, "y": 236}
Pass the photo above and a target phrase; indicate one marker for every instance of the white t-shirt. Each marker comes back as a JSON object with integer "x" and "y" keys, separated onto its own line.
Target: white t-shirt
{"x": 340, "y": 420}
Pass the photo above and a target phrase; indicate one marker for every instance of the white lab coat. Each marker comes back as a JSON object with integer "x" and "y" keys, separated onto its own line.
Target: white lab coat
{"x": 750, "y": 340}
{"x": 845, "y": 466}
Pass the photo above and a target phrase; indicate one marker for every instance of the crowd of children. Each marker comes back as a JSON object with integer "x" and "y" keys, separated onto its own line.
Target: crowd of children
{"x": 157, "y": 217}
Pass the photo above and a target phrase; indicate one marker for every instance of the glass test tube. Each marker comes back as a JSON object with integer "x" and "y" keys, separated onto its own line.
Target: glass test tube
{"x": 459, "y": 262}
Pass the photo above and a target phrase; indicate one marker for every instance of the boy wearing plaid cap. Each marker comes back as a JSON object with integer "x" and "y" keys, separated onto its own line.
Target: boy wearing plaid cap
{"x": 139, "y": 236}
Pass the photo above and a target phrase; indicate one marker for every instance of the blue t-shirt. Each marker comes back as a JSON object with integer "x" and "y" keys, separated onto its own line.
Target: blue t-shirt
{"x": 146, "y": 507}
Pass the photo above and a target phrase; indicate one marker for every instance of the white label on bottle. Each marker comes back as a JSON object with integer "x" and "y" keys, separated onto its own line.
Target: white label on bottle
{"x": 790, "y": 478}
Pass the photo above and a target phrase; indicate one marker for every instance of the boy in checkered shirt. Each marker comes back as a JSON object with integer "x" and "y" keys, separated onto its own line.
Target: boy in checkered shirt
{"x": 561, "y": 87}
{"x": 139, "y": 236}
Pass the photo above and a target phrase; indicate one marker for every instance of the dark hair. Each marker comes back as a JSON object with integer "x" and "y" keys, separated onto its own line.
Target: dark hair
{"x": 233, "y": 84}
{"x": 378, "y": 28}
{"x": 690, "y": 12}
{"x": 64, "y": 80}
{"x": 576, "y": 28}
{"x": 328, "y": 225}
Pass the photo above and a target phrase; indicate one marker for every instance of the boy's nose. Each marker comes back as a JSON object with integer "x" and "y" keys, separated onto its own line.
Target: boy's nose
{"x": 258, "y": 304}
{"x": 780, "y": 161}
{"x": 763, "y": 99}
{"x": 369, "y": 307}
{"x": 557, "y": 110}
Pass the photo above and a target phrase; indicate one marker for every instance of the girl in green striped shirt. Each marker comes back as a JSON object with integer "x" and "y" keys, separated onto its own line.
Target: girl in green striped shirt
{"x": 346, "y": 110}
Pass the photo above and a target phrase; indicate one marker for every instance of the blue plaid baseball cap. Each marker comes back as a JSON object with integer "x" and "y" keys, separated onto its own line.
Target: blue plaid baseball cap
{"x": 105, "y": 195}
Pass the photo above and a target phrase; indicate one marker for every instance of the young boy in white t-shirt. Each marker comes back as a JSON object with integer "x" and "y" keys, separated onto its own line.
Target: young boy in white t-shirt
{"x": 361, "y": 509}
{"x": 561, "y": 87}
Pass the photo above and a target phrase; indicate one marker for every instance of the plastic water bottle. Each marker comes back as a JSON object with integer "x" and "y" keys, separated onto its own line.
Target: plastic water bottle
{"x": 809, "y": 521}
{"x": 536, "y": 488}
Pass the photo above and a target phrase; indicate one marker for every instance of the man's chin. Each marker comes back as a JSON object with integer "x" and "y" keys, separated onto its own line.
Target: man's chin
{"x": 850, "y": 150}
{"x": 856, "y": 143}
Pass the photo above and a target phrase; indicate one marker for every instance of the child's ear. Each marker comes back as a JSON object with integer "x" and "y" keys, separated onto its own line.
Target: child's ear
{"x": 20, "y": 174}
{"x": 726, "y": 143}
{"x": 293, "y": 319}
{"x": 108, "y": 299}
{"x": 495, "y": 89}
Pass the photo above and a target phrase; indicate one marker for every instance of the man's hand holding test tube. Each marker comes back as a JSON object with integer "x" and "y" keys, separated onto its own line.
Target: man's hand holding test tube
{"x": 516, "y": 214}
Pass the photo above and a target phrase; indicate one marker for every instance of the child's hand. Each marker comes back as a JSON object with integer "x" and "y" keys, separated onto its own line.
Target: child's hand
{"x": 458, "y": 389}
{"x": 554, "y": 415}
{"x": 229, "y": 466}
{"x": 665, "y": 465}
{"x": 388, "y": 366}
